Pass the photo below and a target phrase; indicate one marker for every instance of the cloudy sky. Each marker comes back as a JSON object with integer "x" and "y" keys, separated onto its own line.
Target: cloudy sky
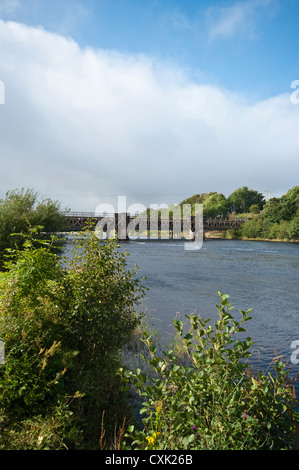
{"x": 155, "y": 100}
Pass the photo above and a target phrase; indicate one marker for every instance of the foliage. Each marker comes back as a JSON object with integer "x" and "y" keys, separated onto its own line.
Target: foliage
{"x": 243, "y": 198}
{"x": 197, "y": 198}
{"x": 212, "y": 400}
{"x": 254, "y": 209}
{"x": 278, "y": 220}
{"x": 272, "y": 210}
{"x": 100, "y": 296}
{"x": 21, "y": 210}
{"x": 63, "y": 328}
{"x": 284, "y": 208}
{"x": 215, "y": 205}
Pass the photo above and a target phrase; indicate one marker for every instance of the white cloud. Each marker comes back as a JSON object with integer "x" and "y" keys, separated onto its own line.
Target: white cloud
{"x": 89, "y": 123}
{"x": 240, "y": 17}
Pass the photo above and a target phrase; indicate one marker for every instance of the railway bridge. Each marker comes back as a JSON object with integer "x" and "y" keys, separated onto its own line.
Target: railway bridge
{"x": 124, "y": 224}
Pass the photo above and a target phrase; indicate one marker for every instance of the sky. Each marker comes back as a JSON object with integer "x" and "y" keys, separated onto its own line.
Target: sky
{"x": 151, "y": 100}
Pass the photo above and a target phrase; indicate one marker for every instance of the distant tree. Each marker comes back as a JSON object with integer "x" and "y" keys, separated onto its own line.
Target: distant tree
{"x": 273, "y": 210}
{"x": 21, "y": 210}
{"x": 290, "y": 203}
{"x": 284, "y": 208}
{"x": 243, "y": 198}
{"x": 254, "y": 209}
{"x": 293, "y": 229}
{"x": 197, "y": 199}
{"x": 215, "y": 205}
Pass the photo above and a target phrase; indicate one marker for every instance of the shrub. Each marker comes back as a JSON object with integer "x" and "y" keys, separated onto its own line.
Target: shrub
{"x": 253, "y": 228}
{"x": 254, "y": 209}
{"x": 21, "y": 210}
{"x": 293, "y": 228}
{"x": 213, "y": 400}
{"x": 63, "y": 329}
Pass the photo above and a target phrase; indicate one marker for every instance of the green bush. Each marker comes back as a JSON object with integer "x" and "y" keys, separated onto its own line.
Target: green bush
{"x": 21, "y": 210}
{"x": 253, "y": 228}
{"x": 254, "y": 209}
{"x": 63, "y": 329}
{"x": 293, "y": 228}
{"x": 212, "y": 400}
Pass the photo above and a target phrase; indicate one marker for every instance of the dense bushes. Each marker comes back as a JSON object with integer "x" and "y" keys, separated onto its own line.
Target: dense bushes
{"x": 62, "y": 384}
{"x": 63, "y": 328}
{"x": 278, "y": 220}
{"x": 21, "y": 210}
{"x": 212, "y": 400}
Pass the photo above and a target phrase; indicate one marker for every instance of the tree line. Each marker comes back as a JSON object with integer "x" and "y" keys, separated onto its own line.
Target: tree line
{"x": 276, "y": 218}
{"x": 65, "y": 323}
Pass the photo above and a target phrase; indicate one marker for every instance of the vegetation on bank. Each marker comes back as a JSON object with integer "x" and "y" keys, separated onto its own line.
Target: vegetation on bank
{"x": 279, "y": 220}
{"x": 203, "y": 395}
{"x": 64, "y": 384}
{"x": 275, "y": 219}
{"x": 63, "y": 330}
{"x": 21, "y": 210}
{"x": 217, "y": 205}
{"x": 66, "y": 324}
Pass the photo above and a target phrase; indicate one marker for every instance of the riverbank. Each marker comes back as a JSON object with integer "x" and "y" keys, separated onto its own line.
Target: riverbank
{"x": 260, "y": 239}
{"x": 209, "y": 235}
{"x": 225, "y": 235}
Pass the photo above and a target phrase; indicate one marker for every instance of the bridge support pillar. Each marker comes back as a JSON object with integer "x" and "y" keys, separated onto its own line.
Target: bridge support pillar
{"x": 121, "y": 226}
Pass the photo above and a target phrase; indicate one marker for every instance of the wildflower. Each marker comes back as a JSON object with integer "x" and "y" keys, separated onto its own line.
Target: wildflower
{"x": 150, "y": 440}
{"x": 245, "y": 415}
{"x": 194, "y": 428}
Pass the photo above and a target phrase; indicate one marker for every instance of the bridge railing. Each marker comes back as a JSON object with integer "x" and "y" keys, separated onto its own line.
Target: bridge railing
{"x": 87, "y": 215}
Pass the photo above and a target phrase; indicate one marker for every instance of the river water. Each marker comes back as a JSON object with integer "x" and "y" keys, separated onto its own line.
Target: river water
{"x": 262, "y": 276}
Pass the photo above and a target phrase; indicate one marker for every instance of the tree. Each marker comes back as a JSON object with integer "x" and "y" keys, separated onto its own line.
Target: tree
{"x": 290, "y": 203}
{"x": 243, "y": 198}
{"x": 215, "y": 205}
{"x": 23, "y": 209}
{"x": 284, "y": 208}
{"x": 254, "y": 209}
{"x": 273, "y": 210}
{"x": 199, "y": 199}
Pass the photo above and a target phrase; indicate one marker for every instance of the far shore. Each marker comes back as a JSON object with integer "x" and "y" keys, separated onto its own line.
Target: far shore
{"x": 221, "y": 236}
{"x": 209, "y": 235}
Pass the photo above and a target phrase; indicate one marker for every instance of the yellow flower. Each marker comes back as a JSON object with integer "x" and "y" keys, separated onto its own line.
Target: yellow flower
{"x": 150, "y": 440}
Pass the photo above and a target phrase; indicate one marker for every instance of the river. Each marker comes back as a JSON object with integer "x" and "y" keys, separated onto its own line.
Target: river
{"x": 257, "y": 275}
{"x": 262, "y": 276}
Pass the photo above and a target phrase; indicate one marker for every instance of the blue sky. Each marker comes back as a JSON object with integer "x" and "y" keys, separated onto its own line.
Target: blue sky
{"x": 210, "y": 64}
{"x": 257, "y": 52}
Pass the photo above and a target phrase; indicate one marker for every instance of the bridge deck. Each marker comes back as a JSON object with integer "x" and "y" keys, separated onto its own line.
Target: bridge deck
{"x": 77, "y": 220}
